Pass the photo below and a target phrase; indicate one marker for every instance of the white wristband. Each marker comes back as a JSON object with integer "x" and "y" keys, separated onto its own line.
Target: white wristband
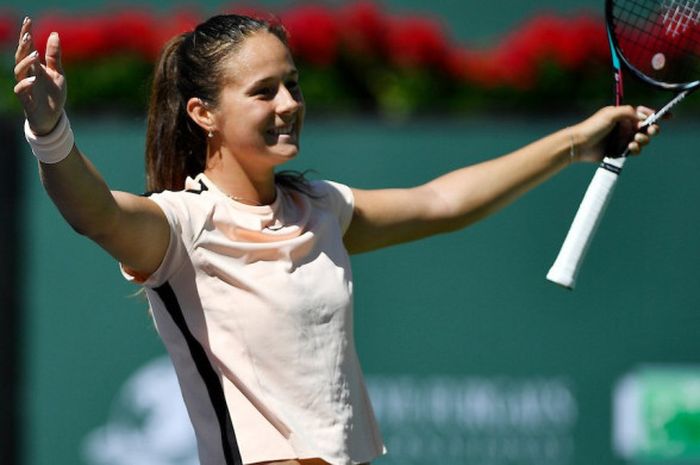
{"x": 54, "y": 146}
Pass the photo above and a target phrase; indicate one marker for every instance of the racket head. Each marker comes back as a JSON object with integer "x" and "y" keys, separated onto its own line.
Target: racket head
{"x": 658, "y": 41}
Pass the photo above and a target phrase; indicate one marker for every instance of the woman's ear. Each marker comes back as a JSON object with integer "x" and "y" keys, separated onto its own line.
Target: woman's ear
{"x": 201, "y": 114}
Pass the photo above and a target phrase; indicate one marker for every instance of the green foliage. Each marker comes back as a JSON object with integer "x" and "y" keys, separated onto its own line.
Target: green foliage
{"x": 116, "y": 83}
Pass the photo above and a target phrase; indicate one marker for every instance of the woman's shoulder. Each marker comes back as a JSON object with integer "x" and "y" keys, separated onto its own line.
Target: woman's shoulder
{"x": 189, "y": 207}
{"x": 333, "y": 189}
{"x": 335, "y": 197}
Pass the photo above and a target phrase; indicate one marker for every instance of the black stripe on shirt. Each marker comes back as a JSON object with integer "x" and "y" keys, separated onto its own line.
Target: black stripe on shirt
{"x": 202, "y": 187}
{"x": 209, "y": 375}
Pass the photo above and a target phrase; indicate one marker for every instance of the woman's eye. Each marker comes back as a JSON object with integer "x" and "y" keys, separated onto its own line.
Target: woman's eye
{"x": 265, "y": 91}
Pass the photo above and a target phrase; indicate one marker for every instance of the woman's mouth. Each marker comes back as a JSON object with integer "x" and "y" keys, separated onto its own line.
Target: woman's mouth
{"x": 286, "y": 133}
{"x": 282, "y": 130}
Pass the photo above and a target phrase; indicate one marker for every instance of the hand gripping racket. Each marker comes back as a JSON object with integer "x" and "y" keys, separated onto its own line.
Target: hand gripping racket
{"x": 657, "y": 41}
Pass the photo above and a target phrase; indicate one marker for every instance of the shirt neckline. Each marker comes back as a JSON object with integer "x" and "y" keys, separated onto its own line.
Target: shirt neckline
{"x": 259, "y": 209}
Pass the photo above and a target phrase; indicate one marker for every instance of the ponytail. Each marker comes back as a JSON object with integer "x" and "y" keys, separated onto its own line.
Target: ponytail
{"x": 175, "y": 147}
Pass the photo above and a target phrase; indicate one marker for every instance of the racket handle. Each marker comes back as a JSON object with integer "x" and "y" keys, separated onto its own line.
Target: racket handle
{"x": 566, "y": 267}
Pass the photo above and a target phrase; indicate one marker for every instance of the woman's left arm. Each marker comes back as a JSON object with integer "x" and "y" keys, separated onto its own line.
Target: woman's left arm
{"x": 457, "y": 199}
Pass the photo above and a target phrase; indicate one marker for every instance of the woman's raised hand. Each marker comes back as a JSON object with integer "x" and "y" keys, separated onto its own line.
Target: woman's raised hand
{"x": 591, "y": 135}
{"x": 41, "y": 87}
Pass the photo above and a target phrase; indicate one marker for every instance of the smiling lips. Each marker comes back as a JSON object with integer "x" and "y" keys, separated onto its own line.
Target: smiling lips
{"x": 283, "y": 130}
{"x": 287, "y": 132}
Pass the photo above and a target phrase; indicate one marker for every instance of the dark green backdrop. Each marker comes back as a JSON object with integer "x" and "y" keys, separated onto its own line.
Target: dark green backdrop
{"x": 469, "y": 304}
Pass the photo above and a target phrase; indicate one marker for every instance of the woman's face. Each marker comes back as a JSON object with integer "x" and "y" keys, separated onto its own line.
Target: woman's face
{"x": 261, "y": 109}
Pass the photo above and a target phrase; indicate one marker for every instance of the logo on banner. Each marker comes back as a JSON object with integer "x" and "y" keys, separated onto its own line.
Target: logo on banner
{"x": 148, "y": 423}
{"x": 657, "y": 415}
{"x": 456, "y": 420}
{"x": 475, "y": 420}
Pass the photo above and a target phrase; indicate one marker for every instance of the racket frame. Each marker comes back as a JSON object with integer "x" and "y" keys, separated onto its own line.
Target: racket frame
{"x": 618, "y": 56}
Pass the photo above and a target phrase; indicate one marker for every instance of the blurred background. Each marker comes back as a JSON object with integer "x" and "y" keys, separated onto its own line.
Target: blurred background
{"x": 471, "y": 356}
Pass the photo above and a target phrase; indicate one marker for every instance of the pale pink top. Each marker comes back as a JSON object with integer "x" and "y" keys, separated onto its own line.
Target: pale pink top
{"x": 254, "y": 304}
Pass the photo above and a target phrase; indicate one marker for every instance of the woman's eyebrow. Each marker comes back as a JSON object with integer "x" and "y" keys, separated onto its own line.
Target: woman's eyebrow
{"x": 292, "y": 73}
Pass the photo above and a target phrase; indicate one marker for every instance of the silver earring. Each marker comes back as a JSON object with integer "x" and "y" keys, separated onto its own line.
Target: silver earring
{"x": 210, "y": 134}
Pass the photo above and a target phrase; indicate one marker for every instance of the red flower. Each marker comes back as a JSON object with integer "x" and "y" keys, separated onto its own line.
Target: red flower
{"x": 317, "y": 33}
{"x": 521, "y": 53}
{"x": 364, "y": 29}
{"x": 581, "y": 40}
{"x": 81, "y": 38}
{"x": 517, "y": 60}
{"x": 478, "y": 67}
{"x": 132, "y": 32}
{"x": 98, "y": 36}
{"x": 9, "y": 28}
{"x": 415, "y": 41}
{"x": 314, "y": 34}
{"x": 167, "y": 28}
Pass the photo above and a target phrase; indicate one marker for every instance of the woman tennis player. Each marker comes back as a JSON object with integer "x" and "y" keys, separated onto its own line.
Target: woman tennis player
{"x": 247, "y": 271}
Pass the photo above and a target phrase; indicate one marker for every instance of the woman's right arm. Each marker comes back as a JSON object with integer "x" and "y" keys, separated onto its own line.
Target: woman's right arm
{"x": 131, "y": 228}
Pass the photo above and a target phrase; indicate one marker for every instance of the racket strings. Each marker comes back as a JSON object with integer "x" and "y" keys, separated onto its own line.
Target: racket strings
{"x": 661, "y": 38}
{"x": 678, "y": 16}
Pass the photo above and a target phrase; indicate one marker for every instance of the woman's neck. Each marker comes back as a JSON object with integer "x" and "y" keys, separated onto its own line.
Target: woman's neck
{"x": 242, "y": 189}
{"x": 230, "y": 178}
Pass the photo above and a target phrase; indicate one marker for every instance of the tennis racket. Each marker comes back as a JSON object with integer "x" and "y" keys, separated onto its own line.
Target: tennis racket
{"x": 658, "y": 42}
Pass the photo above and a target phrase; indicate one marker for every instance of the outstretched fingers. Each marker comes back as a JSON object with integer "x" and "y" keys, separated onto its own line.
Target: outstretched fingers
{"x": 23, "y": 86}
{"x": 24, "y": 68}
{"x": 27, "y": 61}
{"x": 25, "y": 46}
{"x": 53, "y": 53}
{"x": 25, "y": 77}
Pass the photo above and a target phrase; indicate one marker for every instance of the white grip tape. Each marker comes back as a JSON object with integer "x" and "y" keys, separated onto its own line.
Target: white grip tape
{"x": 565, "y": 268}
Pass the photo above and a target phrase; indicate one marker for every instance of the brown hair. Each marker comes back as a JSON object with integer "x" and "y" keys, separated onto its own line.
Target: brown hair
{"x": 190, "y": 66}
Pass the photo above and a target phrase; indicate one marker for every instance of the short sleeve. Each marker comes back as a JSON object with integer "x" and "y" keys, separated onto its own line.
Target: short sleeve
{"x": 339, "y": 199}
{"x": 177, "y": 215}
